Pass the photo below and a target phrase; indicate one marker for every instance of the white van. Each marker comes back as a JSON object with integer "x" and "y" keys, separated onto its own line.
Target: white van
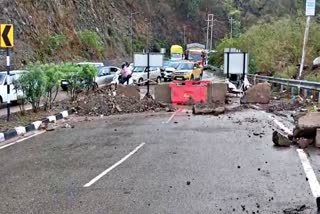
{"x": 14, "y": 95}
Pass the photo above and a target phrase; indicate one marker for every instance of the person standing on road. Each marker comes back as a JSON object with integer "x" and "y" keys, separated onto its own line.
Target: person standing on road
{"x": 123, "y": 75}
{"x": 128, "y": 72}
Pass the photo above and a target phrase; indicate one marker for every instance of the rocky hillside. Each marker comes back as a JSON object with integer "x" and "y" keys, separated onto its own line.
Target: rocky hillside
{"x": 56, "y": 30}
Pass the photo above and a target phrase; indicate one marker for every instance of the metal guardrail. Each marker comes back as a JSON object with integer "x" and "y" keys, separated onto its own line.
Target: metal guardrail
{"x": 288, "y": 82}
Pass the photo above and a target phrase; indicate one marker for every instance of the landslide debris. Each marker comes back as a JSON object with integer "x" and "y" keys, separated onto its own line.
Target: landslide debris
{"x": 104, "y": 102}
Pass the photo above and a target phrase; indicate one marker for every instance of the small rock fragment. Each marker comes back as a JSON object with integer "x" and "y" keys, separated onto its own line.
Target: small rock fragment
{"x": 280, "y": 139}
{"x": 304, "y": 143}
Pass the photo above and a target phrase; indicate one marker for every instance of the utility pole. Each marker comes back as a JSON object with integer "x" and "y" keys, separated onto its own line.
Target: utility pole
{"x": 131, "y": 31}
{"x": 209, "y": 25}
{"x": 184, "y": 35}
{"x": 148, "y": 34}
{"x": 211, "y": 41}
{"x": 231, "y": 26}
{"x": 310, "y": 11}
{"x": 305, "y": 41}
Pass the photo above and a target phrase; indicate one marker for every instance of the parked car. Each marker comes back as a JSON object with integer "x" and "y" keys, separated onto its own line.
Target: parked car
{"x": 188, "y": 71}
{"x": 97, "y": 64}
{"x": 105, "y": 75}
{"x": 169, "y": 70}
{"x": 140, "y": 74}
{"x": 14, "y": 94}
{"x": 65, "y": 83}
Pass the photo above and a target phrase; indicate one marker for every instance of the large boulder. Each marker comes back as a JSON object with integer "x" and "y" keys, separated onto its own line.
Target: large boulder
{"x": 208, "y": 108}
{"x": 309, "y": 120}
{"x": 260, "y": 93}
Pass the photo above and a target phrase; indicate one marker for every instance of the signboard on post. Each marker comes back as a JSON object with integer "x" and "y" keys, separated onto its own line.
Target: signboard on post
{"x": 148, "y": 60}
{"x": 310, "y": 7}
{"x": 155, "y": 59}
{"x": 7, "y": 42}
{"x": 236, "y": 63}
{"x": 6, "y": 32}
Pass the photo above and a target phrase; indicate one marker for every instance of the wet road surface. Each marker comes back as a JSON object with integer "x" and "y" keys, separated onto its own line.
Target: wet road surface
{"x": 184, "y": 164}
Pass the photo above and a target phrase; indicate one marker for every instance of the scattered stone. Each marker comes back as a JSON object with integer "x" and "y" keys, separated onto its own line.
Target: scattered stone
{"x": 260, "y": 93}
{"x": 219, "y": 110}
{"x": 68, "y": 126}
{"x": 50, "y": 127}
{"x": 168, "y": 109}
{"x": 304, "y": 143}
{"x": 188, "y": 183}
{"x": 239, "y": 167}
{"x": 279, "y": 139}
{"x": 296, "y": 210}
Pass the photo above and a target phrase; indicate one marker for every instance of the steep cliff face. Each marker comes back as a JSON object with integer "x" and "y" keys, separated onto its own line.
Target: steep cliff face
{"x": 52, "y": 30}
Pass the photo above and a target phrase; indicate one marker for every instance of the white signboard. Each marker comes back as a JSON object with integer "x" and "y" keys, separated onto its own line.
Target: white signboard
{"x": 310, "y": 7}
{"x": 236, "y": 63}
{"x": 155, "y": 59}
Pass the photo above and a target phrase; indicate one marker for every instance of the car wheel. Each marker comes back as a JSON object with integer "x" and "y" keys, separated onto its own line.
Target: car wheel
{"x": 165, "y": 80}
{"x": 1, "y": 100}
{"x": 140, "y": 81}
{"x": 159, "y": 80}
{"x": 192, "y": 77}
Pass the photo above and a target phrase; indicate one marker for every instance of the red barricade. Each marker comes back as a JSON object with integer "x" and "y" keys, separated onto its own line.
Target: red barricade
{"x": 184, "y": 92}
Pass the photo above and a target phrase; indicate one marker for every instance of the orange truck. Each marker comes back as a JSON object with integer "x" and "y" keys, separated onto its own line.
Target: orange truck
{"x": 196, "y": 53}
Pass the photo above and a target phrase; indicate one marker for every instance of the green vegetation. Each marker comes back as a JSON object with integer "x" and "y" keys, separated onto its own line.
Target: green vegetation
{"x": 54, "y": 43}
{"x": 32, "y": 84}
{"x": 42, "y": 82}
{"x": 91, "y": 43}
{"x": 275, "y": 47}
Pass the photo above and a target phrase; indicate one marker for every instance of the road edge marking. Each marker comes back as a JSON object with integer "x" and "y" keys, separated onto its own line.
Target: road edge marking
{"x": 97, "y": 178}
{"x": 312, "y": 179}
{"x": 21, "y": 140}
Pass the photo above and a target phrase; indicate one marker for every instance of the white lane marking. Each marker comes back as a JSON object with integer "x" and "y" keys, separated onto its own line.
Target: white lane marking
{"x": 173, "y": 115}
{"x": 21, "y": 140}
{"x": 312, "y": 179}
{"x": 113, "y": 166}
{"x": 7, "y": 145}
{"x": 281, "y": 126}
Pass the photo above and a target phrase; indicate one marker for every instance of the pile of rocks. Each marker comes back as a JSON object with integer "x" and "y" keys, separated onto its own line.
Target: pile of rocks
{"x": 102, "y": 102}
{"x": 306, "y": 132}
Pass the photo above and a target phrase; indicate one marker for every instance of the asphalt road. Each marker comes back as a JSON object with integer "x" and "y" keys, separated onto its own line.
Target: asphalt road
{"x": 190, "y": 164}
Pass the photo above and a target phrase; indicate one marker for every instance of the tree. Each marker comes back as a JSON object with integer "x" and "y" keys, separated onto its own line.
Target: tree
{"x": 32, "y": 83}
